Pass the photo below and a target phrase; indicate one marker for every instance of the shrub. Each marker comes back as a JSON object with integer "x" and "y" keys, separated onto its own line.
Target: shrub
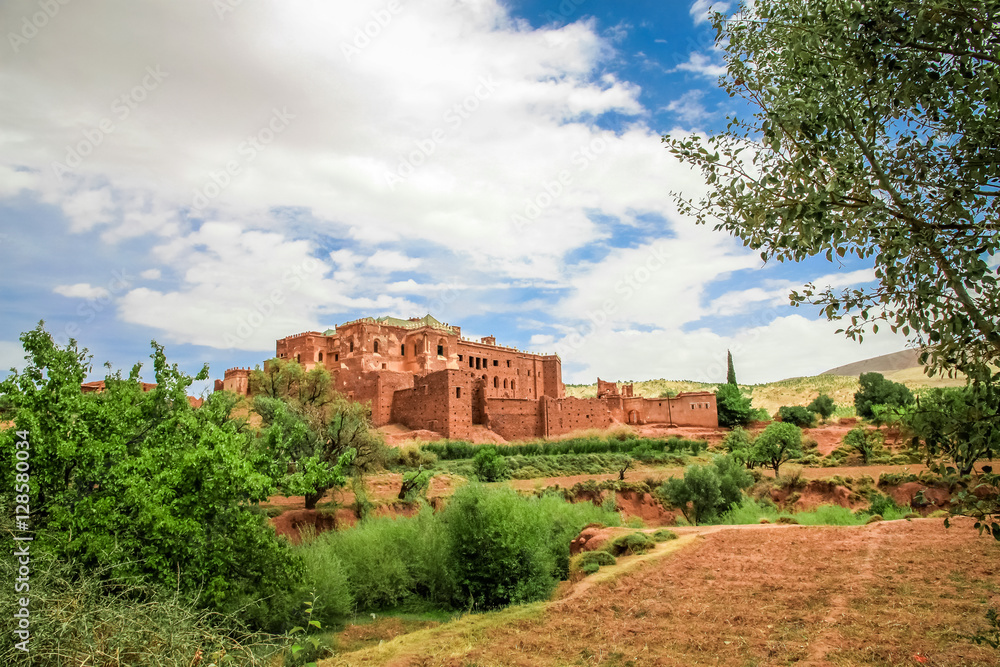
{"x": 874, "y": 518}
{"x": 738, "y": 438}
{"x": 822, "y": 405}
{"x": 733, "y": 407}
{"x": 664, "y": 535}
{"x": 797, "y": 415}
{"x": 707, "y": 489}
{"x": 490, "y": 466}
{"x": 876, "y": 390}
{"x": 595, "y": 559}
{"x": 326, "y": 579}
{"x": 865, "y": 442}
{"x": 633, "y": 543}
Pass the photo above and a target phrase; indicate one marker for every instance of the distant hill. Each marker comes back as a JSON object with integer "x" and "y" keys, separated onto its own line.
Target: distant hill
{"x": 887, "y": 363}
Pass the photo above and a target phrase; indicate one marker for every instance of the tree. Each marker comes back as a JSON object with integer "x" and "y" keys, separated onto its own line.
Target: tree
{"x": 961, "y": 424}
{"x": 778, "y": 443}
{"x": 822, "y": 405}
{"x": 706, "y": 491}
{"x": 139, "y": 485}
{"x": 733, "y": 407}
{"x": 489, "y": 465}
{"x": 731, "y": 371}
{"x": 798, "y": 415}
{"x": 876, "y": 390}
{"x": 865, "y": 442}
{"x": 873, "y": 134}
{"x": 314, "y": 434}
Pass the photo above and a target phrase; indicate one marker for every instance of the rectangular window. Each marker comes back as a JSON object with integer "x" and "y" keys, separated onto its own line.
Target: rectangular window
{"x": 458, "y": 392}
{"x": 478, "y": 360}
{"x": 402, "y": 350}
{"x": 336, "y": 357}
{"x": 496, "y": 363}
{"x": 460, "y": 357}
{"x": 471, "y": 362}
{"x": 440, "y": 350}
{"x": 508, "y": 363}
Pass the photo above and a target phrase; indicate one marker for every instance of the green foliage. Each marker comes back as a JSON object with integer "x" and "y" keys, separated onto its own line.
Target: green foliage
{"x": 143, "y": 487}
{"x": 778, "y": 443}
{"x": 314, "y": 435}
{"x": 488, "y": 548}
{"x": 796, "y": 414}
{"x": 731, "y": 370}
{"x": 733, "y": 407}
{"x": 876, "y": 390}
{"x": 631, "y": 544}
{"x": 866, "y": 442}
{"x": 990, "y": 636}
{"x": 414, "y": 484}
{"x": 873, "y": 134}
{"x": 490, "y": 466}
{"x": 705, "y": 491}
{"x": 883, "y": 506}
{"x": 664, "y": 535}
{"x": 82, "y": 618}
{"x": 959, "y": 424}
{"x": 737, "y": 439}
{"x": 452, "y": 450}
{"x": 822, "y": 405}
{"x": 591, "y": 561}
{"x": 326, "y": 579}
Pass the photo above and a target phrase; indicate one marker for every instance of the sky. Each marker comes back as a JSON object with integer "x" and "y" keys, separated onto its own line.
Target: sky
{"x": 216, "y": 175}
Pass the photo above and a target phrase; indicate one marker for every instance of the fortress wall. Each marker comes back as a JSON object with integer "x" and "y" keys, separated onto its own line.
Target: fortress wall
{"x": 515, "y": 419}
{"x": 695, "y": 409}
{"x": 572, "y": 414}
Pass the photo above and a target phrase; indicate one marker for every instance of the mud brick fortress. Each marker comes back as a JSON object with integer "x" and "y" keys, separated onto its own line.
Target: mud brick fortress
{"x": 425, "y": 375}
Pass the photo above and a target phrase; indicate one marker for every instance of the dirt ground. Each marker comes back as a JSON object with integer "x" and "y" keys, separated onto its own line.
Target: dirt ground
{"x": 891, "y": 593}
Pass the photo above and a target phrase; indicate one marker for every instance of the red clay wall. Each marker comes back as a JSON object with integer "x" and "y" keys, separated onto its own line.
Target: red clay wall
{"x": 695, "y": 409}
{"x": 515, "y": 419}
{"x": 573, "y": 414}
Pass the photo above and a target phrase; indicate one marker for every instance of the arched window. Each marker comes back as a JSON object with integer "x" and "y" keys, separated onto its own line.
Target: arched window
{"x": 505, "y": 384}
{"x": 376, "y": 347}
{"x": 512, "y": 385}
{"x": 320, "y": 358}
{"x": 496, "y": 382}
{"x": 352, "y": 346}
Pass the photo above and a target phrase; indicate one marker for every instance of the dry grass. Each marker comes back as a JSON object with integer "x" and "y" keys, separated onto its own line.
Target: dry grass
{"x": 756, "y": 595}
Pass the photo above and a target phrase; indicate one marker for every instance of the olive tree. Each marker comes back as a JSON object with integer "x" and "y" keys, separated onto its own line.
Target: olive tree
{"x": 873, "y": 134}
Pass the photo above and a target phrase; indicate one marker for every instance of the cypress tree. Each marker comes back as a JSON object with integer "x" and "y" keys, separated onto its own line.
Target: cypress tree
{"x": 731, "y": 375}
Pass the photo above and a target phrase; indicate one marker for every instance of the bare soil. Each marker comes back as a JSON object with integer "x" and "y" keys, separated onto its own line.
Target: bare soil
{"x": 891, "y": 593}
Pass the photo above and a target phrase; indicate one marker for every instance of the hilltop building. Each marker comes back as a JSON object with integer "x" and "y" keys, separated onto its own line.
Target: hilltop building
{"x": 424, "y": 374}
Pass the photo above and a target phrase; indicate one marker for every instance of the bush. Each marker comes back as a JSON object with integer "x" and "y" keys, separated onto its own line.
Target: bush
{"x": 797, "y": 415}
{"x": 633, "y": 543}
{"x": 876, "y": 390}
{"x": 490, "y": 466}
{"x": 738, "y": 438}
{"x": 822, "y": 405}
{"x": 591, "y": 561}
{"x": 865, "y": 442}
{"x": 733, "y": 407}
{"x": 664, "y": 535}
{"x": 708, "y": 489}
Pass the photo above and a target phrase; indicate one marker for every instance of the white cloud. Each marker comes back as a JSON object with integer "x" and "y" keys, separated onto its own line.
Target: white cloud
{"x": 244, "y": 289}
{"x": 701, "y": 10}
{"x": 706, "y": 65}
{"x": 151, "y": 274}
{"x": 391, "y": 260}
{"x": 82, "y": 291}
{"x": 776, "y": 292}
{"x": 689, "y": 107}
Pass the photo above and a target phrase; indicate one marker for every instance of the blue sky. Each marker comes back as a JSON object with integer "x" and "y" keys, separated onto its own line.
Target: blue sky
{"x": 218, "y": 175}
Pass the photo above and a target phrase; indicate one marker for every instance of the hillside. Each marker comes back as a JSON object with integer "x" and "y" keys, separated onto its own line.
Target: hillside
{"x": 887, "y": 363}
